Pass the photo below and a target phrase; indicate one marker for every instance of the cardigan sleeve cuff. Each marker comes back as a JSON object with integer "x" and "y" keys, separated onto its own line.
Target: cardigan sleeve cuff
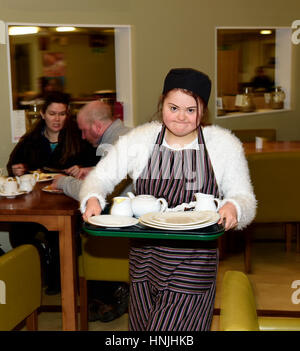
{"x": 85, "y": 199}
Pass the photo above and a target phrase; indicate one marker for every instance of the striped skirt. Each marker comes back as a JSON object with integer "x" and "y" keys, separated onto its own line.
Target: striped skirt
{"x": 172, "y": 289}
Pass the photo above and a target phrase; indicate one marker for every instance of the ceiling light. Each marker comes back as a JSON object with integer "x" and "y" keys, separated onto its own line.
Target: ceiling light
{"x": 266, "y": 31}
{"x": 65, "y": 29}
{"x": 22, "y": 30}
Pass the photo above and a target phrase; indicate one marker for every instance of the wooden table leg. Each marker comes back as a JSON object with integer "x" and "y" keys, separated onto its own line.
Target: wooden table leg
{"x": 247, "y": 254}
{"x": 298, "y": 237}
{"x": 289, "y": 236}
{"x": 32, "y": 321}
{"x": 68, "y": 273}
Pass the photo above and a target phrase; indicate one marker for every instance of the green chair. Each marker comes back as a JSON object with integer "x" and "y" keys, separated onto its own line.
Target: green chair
{"x": 248, "y": 135}
{"x": 104, "y": 259}
{"x": 275, "y": 177}
{"x": 20, "y": 287}
{"x": 238, "y": 308}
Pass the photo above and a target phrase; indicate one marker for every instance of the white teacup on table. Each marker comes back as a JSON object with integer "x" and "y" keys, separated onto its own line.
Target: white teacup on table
{"x": 2, "y": 181}
{"x": 206, "y": 202}
{"x": 10, "y": 186}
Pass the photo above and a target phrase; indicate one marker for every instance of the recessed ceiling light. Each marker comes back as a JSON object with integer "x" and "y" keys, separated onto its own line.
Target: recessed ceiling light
{"x": 266, "y": 31}
{"x": 65, "y": 29}
{"x": 18, "y": 30}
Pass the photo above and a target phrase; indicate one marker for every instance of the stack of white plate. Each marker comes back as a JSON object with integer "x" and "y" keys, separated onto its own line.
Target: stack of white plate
{"x": 180, "y": 220}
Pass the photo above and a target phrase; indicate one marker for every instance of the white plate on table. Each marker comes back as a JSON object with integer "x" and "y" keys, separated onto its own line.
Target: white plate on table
{"x": 13, "y": 195}
{"x": 180, "y": 219}
{"x": 48, "y": 189}
{"x": 46, "y": 177}
{"x": 112, "y": 221}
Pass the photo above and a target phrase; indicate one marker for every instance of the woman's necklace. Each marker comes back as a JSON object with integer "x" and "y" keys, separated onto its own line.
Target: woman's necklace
{"x": 53, "y": 138}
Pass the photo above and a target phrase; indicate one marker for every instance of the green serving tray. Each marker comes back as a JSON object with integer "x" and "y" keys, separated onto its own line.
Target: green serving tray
{"x": 211, "y": 232}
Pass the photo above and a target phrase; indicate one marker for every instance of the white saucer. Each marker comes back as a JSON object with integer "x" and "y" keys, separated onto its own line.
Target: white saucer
{"x": 13, "y": 195}
{"x": 112, "y": 221}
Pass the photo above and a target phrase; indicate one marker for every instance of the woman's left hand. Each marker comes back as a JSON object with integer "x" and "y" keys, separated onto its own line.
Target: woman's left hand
{"x": 228, "y": 214}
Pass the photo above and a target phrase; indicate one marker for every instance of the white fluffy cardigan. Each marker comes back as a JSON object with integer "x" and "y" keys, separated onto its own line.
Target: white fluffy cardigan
{"x": 130, "y": 155}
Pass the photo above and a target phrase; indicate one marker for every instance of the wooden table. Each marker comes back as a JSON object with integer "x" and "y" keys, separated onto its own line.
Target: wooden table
{"x": 269, "y": 147}
{"x": 56, "y": 212}
{"x": 272, "y": 146}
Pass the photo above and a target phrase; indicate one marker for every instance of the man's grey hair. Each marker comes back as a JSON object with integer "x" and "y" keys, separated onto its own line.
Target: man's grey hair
{"x": 97, "y": 110}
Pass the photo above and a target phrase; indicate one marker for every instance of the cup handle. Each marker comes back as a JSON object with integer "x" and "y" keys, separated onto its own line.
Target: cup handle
{"x": 130, "y": 195}
{"x": 36, "y": 176}
{"x": 164, "y": 204}
{"x": 218, "y": 201}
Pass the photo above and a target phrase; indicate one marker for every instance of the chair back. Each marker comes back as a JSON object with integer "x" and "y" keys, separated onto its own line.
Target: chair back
{"x": 238, "y": 308}
{"x": 275, "y": 177}
{"x": 104, "y": 258}
{"x": 248, "y": 135}
{"x": 20, "y": 285}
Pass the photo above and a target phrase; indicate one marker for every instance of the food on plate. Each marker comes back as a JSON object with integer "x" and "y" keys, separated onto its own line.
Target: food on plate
{"x": 49, "y": 189}
{"x": 46, "y": 176}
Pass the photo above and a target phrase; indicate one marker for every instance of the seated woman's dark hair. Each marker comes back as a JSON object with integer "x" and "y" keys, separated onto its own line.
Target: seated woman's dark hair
{"x": 69, "y": 136}
{"x": 55, "y": 97}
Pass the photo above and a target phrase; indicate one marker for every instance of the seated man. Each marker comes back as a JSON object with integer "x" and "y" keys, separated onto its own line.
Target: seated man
{"x": 100, "y": 129}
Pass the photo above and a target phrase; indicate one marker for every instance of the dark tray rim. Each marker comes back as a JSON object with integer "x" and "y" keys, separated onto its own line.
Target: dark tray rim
{"x": 211, "y": 232}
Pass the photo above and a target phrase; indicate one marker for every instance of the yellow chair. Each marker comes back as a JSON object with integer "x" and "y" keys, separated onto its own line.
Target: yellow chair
{"x": 104, "y": 259}
{"x": 275, "y": 177}
{"x": 248, "y": 135}
{"x": 238, "y": 308}
{"x": 20, "y": 287}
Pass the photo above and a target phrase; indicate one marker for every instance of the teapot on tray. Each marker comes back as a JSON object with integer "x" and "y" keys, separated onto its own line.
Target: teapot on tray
{"x": 137, "y": 205}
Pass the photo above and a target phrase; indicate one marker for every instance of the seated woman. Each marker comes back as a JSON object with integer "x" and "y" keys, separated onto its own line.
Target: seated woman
{"x": 55, "y": 142}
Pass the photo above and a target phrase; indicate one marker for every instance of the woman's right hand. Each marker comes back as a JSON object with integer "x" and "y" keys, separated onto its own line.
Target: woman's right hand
{"x": 18, "y": 169}
{"x": 72, "y": 171}
{"x": 93, "y": 208}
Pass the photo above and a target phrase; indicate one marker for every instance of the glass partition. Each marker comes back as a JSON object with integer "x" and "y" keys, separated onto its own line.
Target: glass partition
{"x": 86, "y": 62}
{"x": 253, "y": 70}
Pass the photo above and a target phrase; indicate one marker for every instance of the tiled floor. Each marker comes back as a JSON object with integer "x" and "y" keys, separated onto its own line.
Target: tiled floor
{"x": 273, "y": 272}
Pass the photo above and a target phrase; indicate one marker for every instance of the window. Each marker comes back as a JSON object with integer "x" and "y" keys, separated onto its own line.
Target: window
{"x": 84, "y": 61}
{"x": 256, "y": 61}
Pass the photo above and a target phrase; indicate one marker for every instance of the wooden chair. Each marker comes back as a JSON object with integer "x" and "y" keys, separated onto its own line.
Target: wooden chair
{"x": 20, "y": 287}
{"x": 275, "y": 177}
{"x": 103, "y": 259}
{"x": 238, "y": 308}
{"x": 248, "y": 135}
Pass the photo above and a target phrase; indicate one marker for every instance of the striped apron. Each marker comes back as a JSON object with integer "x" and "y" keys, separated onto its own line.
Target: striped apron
{"x": 173, "y": 283}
